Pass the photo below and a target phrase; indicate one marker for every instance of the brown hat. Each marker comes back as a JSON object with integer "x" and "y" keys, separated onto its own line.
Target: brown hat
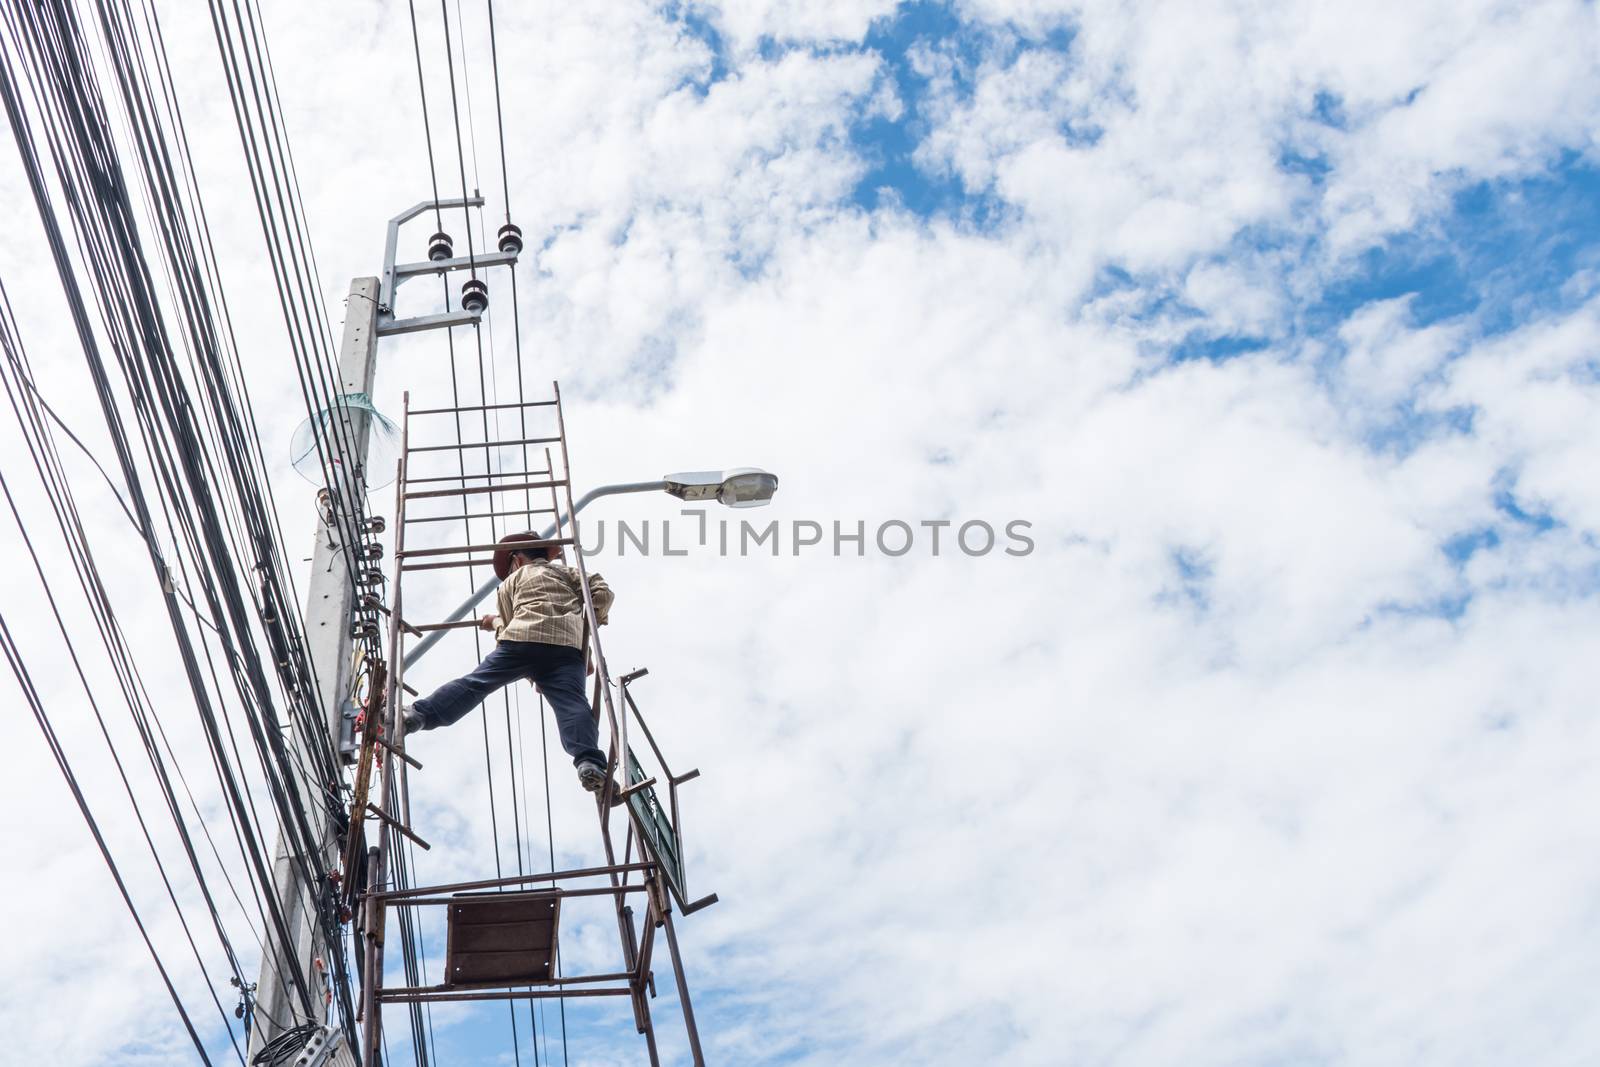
{"x": 502, "y": 556}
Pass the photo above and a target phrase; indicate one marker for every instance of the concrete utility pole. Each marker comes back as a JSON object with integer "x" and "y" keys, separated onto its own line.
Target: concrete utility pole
{"x": 330, "y": 607}
{"x": 331, "y": 596}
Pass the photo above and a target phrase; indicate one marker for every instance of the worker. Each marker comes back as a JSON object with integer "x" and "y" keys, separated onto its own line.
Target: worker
{"x": 539, "y": 634}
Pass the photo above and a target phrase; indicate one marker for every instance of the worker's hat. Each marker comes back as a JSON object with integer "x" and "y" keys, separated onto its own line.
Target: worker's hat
{"x": 502, "y": 556}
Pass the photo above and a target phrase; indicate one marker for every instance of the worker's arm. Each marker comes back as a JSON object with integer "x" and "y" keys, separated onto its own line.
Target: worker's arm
{"x": 502, "y": 601}
{"x": 601, "y": 592}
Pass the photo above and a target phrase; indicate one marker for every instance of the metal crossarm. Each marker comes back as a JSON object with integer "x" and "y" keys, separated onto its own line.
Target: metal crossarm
{"x": 393, "y": 327}
{"x": 442, "y": 266}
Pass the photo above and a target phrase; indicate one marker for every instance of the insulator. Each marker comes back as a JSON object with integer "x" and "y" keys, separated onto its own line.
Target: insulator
{"x": 363, "y": 628}
{"x": 371, "y": 601}
{"x": 375, "y": 525}
{"x": 440, "y": 247}
{"x": 371, "y": 576}
{"x": 372, "y": 551}
{"x": 474, "y": 296}
{"x": 511, "y": 238}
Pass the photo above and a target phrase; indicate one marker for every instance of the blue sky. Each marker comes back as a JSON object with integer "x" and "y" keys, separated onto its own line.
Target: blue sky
{"x": 1485, "y": 257}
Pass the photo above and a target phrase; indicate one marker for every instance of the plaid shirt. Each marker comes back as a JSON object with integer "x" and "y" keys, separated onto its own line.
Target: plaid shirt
{"x": 543, "y": 601}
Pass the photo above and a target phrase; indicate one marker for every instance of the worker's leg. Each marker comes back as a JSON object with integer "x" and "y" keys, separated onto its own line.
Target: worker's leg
{"x": 560, "y": 677}
{"x": 508, "y": 662}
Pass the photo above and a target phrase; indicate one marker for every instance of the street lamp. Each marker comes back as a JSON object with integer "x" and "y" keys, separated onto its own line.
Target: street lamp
{"x": 741, "y": 487}
{"x": 737, "y": 487}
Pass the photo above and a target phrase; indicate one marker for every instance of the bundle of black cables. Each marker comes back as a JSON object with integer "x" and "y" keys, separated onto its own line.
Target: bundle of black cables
{"x": 281, "y": 1050}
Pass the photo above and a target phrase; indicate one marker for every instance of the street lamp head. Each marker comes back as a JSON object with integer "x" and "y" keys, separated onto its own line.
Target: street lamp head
{"x": 741, "y": 487}
{"x": 747, "y": 487}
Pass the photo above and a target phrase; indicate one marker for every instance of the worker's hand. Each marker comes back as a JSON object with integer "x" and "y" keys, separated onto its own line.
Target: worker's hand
{"x": 488, "y": 622}
{"x": 588, "y": 665}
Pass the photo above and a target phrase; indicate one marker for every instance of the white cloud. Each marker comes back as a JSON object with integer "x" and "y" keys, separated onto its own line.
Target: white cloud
{"x": 1536, "y": 396}
{"x": 1385, "y": 358}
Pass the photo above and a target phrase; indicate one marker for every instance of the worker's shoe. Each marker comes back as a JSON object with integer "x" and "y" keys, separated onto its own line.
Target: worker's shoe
{"x": 592, "y": 777}
{"x": 413, "y": 721}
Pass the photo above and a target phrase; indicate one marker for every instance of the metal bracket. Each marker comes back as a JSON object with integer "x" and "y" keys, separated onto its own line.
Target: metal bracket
{"x": 704, "y": 902}
{"x": 396, "y": 825}
{"x": 394, "y": 274}
{"x": 389, "y": 326}
{"x": 413, "y": 762}
{"x": 348, "y": 746}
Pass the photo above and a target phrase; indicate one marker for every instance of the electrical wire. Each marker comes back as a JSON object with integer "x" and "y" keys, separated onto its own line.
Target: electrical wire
{"x": 190, "y": 457}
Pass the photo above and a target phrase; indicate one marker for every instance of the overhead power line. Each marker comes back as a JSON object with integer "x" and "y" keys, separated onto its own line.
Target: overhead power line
{"x": 185, "y": 462}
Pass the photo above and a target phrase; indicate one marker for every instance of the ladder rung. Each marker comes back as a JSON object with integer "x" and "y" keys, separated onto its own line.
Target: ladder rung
{"x": 484, "y": 407}
{"x": 532, "y": 542}
{"x": 448, "y": 565}
{"x": 496, "y": 474}
{"x": 399, "y": 826}
{"x": 484, "y": 515}
{"x": 467, "y": 445}
{"x": 460, "y": 624}
{"x": 397, "y": 752}
{"x": 470, "y": 490}
{"x": 637, "y": 787}
{"x": 443, "y": 566}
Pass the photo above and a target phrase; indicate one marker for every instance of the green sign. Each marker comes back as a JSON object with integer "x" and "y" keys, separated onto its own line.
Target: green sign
{"x": 655, "y": 825}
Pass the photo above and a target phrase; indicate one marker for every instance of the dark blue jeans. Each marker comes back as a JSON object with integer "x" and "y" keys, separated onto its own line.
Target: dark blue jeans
{"x": 557, "y": 670}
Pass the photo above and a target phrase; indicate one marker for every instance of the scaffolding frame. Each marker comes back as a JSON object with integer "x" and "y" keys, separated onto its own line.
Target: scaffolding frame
{"x": 649, "y": 827}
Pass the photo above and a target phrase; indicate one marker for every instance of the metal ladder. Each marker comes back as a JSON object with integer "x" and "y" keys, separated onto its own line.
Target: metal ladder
{"x": 502, "y": 933}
